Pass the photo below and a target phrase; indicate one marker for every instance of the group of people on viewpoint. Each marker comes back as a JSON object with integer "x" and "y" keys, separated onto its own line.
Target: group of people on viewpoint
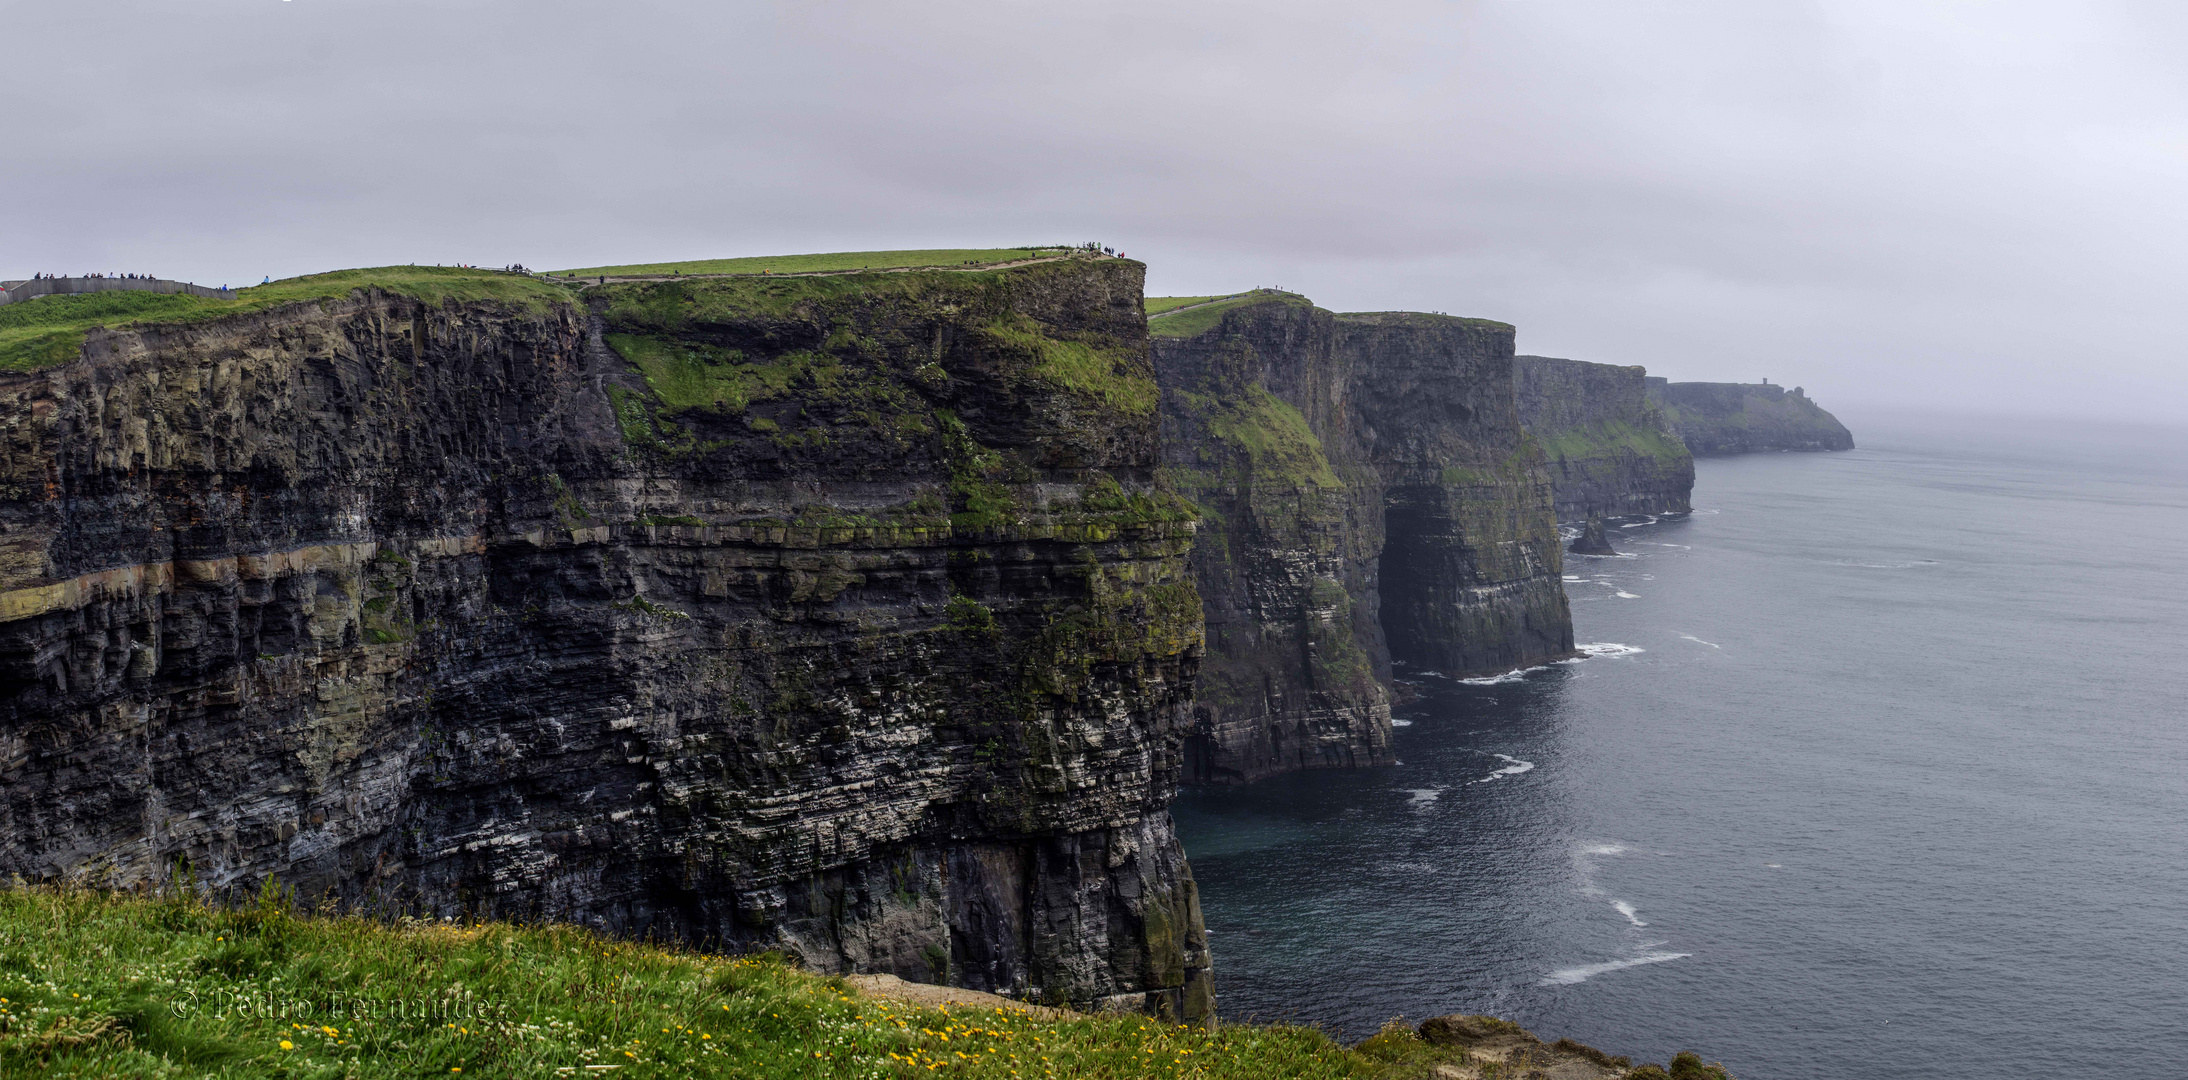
{"x": 117, "y": 277}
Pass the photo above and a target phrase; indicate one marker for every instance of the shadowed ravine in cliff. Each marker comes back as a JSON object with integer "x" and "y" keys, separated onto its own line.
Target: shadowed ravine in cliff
{"x": 837, "y": 614}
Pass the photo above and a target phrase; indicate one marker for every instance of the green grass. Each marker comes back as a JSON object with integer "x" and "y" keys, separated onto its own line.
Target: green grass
{"x": 691, "y": 375}
{"x": 115, "y": 986}
{"x": 1273, "y": 435}
{"x": 1093, "y": 372}
{"x": 1608, "y": 438}
{"x": 826, "y": 262}
{"x": 41, "y": 333}
{"x": 1200, "y": 320}
{"x": 1156, "y": 305}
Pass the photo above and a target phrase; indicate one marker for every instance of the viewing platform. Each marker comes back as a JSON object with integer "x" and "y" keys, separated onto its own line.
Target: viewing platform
{"x": 16, "y": 291}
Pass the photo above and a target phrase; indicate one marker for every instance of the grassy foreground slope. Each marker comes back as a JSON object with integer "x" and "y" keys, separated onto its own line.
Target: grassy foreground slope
{"x": 106, "y": 985}
{"x": 826, "y": 262}
{"x": 101, "y": 985}
{"x": 44, "y": 332}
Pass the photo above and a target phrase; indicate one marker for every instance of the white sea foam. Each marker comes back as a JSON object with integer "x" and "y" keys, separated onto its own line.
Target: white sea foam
{"x": 1431, "y": 674}
{"x": 1605, "y": 849}
{"x": 1624, "y": 595}
{"x": 1595, "y": 649}
{"x": 1514, "y": 767}
{"x": 1513, "y": 675}
{"x": 1699, "y": 641}
{"x": 1399, "y": 721}
{"x": 1628, "y": 911}
{"x": 1422, "y": 796}
{"x": 1568, "y": 577}
{"x": 1581, "y": 974}
{"x": 1638, "y": 524}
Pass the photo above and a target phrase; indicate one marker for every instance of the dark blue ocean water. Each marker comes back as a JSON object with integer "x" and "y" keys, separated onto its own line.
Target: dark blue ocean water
{"x": 1896, "y": 785}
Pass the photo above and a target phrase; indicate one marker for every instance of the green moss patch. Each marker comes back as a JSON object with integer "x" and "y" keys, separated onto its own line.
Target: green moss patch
{"x": 1106, "y": 373}
{"x": 1269, "y": 432}
{"x": 1610, "y": 439}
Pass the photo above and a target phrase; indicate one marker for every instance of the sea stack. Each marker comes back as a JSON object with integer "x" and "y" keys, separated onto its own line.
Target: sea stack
{"x": 1593, "y": 540}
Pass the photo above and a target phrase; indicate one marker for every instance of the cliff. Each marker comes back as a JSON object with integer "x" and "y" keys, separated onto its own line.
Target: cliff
{"x": 840, "y": 614}
{"x": 1735, "y": 418}
{"x": 1610, "y": 449}
{"x": 1367, "y": 495}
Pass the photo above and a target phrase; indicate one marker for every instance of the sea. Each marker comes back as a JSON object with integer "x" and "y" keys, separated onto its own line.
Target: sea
{"x": 1877, "y": 767}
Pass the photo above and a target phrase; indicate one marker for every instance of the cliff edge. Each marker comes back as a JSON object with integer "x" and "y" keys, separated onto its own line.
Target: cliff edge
{"x": 1738, "y": 418}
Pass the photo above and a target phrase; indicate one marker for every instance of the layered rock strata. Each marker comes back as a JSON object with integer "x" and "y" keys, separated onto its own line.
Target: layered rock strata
{"x": 1738, "y": 418}
{"x": 1368, "y": 497}
{"x": 1610, "y": 449}
{"x": 838, "y": 614}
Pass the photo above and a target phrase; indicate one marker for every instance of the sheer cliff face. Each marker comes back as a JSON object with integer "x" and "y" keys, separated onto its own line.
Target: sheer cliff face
{"x": 1286, "y": 553}
{"x": 1471, "y": 577}
{"x": 1610, "y": 449}
{"x": 1335, "y": 455}
{"x": 1736, "y": 418}
{"x": 837, "y": 613}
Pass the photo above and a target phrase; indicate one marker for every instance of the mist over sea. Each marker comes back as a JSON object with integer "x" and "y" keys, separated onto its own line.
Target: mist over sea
{"x": 1885, "y": 776}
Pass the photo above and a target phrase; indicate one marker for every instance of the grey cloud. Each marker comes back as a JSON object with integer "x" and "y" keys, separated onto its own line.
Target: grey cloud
{"x": 1957, "y": 205}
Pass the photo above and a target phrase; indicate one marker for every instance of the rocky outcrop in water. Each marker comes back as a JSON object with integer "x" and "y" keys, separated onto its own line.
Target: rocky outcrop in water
{"x": 1738, "y": 418}
{"x": 1610, "y": 449}
{"x": 1367, "y": 496}
{"x": 839, "y": 614}
{"x": 1593, "y": 540}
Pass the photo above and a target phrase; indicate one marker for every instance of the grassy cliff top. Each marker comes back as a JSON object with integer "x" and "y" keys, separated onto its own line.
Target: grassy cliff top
{"x": 44, "y": 332}
{"x": 121, "y": 986}
{"x": 827, "y": 262}
{"x": 1422, "y": 318}
{"x": 1193, "y": 316}
{"x": 1159, "y": 305}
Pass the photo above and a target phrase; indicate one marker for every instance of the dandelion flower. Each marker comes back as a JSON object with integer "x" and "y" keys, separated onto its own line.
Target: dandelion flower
{"x": 287, "y": 1045}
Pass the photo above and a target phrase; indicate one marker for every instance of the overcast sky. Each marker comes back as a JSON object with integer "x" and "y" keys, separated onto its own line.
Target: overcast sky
{"x": 1974, "y": 206}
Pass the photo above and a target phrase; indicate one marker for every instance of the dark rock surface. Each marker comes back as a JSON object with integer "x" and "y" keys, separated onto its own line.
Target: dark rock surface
{"x": 1737, "y": 418}
{"x": 1610, "y": 449}
{"x": 1367, "y": 495}
{"x": 1593, "y": 540}
{"x": 840, "y": 614}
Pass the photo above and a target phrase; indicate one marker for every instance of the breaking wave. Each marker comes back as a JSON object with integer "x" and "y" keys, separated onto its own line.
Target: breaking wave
{"x": 1572, "y": 975}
